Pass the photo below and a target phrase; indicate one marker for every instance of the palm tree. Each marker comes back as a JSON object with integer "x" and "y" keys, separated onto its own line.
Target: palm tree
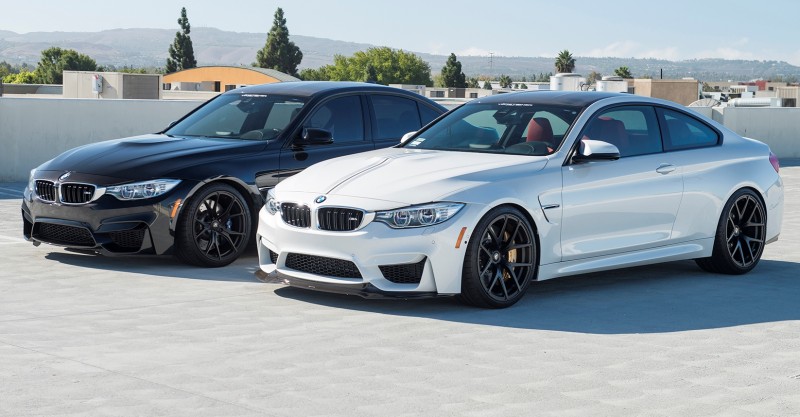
{"x": 623, "y": 72}
{"x": 565, "y": 62}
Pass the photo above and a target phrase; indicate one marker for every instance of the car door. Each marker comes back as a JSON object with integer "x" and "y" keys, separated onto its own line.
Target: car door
{"x": 622, "y": 205}
{"x": 344, "y": 117}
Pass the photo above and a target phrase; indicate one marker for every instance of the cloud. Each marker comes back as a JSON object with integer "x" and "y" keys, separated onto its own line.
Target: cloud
{"x": 726, "y": 53}
{"x": 474, "y": 51}
{"x": 616, "y": 49}
{"x": 669, "y": 53}
{"x": 435, "y": 48}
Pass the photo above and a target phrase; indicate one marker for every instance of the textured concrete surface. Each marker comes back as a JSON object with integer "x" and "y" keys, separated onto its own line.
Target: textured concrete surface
{"x": 92, "y": 336}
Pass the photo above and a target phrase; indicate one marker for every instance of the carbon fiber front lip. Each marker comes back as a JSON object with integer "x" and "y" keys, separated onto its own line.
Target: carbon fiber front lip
{"x": 365, "y": 290}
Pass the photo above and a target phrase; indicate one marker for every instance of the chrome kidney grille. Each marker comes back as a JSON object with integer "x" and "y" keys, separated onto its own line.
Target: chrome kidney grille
{"x": 69, "y": 193}
{"x": 339, "y": 219}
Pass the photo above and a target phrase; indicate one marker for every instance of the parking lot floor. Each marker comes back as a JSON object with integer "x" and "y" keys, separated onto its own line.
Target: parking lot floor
{"x": 85, "y": 335}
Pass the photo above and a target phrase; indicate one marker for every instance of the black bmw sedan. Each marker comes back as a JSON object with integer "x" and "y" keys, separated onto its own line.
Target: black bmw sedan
{"x": 195, "y": 189}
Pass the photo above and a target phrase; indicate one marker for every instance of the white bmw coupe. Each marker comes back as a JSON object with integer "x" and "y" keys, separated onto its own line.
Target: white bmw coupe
{"x": 513, "y": 188}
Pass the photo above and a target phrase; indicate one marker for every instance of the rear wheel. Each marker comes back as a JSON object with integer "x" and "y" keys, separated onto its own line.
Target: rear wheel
{"x": 214, "y": 228}
{"x": 741, "y": 231}
{"x": 500, "y": 261}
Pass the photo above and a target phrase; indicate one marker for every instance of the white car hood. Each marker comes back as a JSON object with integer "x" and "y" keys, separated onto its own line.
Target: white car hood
{"x": 408, "y": 176}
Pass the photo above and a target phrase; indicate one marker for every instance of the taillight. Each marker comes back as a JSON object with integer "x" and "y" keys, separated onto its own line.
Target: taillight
{"x": 773, "y": 159}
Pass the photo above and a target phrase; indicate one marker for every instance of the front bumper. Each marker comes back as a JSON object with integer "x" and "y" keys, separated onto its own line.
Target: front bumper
{"x": 374, "y": 260}
{"x": 107, "y": 226}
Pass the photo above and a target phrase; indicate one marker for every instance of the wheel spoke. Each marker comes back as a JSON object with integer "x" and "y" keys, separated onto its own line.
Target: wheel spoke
{"x": 496, "y": 277}
{"x": 741, "y": 252}
{"x": 485, "y": 270}
{"x": 503, "y": 284}
{"x": 518, "y": 264}
{"x": 230, "y": 241}
{"x": 514, "y": 277}
{"x": 519, "y": 246}
{"x": 211, "y": 242}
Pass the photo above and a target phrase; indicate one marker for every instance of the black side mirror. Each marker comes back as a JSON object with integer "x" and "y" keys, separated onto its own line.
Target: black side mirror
{"x": 314, "y": 136}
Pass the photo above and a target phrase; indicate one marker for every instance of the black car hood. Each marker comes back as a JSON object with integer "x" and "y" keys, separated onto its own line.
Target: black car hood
{"x": 148, "y": 156}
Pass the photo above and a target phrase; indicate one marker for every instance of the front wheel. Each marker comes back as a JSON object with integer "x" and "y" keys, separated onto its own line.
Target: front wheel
{"x": 501, "y": 260}
{"x": 214, "y": 228}
{"x": 739, "y": 241}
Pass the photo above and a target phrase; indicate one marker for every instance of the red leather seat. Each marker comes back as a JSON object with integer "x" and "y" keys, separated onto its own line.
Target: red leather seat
{"x": 609, "y": 130}
{"x": 539, "y": 130}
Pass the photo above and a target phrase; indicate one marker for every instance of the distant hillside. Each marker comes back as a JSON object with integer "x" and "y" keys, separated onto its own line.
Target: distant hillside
{"x": 148, "y": 47}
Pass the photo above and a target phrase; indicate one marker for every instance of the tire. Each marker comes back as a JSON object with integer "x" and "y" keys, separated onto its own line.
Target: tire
{"x": 501, "y": 260}
{"x": 214, "y": 228}
{"x": 739, "y": 241}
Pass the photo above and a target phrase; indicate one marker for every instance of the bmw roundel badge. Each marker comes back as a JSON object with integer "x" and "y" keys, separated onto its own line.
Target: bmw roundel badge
{"x": 320, "y": 199}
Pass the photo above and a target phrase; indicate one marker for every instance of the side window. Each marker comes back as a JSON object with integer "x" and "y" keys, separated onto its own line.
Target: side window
{"x": 427, "y": 114}
{"x": 342, "y": 117}
{"x": 632, "y": 129}
{"x": 394, "y": 116}
{"x": 686, "y": 132}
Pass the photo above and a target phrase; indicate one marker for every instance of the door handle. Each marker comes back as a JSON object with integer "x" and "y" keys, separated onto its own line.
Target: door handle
{"x": 665, "y": 168}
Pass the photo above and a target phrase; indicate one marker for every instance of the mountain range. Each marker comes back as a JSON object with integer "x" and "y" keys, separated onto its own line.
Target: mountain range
{"x": 148, "y": 47}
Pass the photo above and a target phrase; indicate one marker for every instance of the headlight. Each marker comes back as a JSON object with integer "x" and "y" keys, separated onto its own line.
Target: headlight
{"x": 142, "y": 190}
{"x": 31, "y": 185}
{"x": 419, "y": 216}
{"x": 273, "y": 206}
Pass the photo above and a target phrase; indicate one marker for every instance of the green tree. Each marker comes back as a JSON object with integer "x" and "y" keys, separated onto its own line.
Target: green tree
{"x": 5, "y": 69}
{"x": 565, "y": 62}
{"x": 22, "y": 77}
{"x": 523, "y": 86}
{"x": 505, "y": 81}
{"x": 181, "y": 52}
{"x": 487, "y": 85}
{"x": 623, "y": 72}
{"x": 54, "y": 61}
{"x": 472, "y": 82}
{"x": 391, "y": 67}
{"x": 315, "y": 74}
{"x": 279, "y": 53}
{"x": 370, "y": 75}
{"x": 593, "y": 77}
{"x": 452, "y": 76}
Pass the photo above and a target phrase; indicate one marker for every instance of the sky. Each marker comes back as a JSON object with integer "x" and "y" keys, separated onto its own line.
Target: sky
{"x": 674, "y": 30}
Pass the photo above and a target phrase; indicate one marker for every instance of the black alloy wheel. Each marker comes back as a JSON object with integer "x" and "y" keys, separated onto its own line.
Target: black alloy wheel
{"x": 739, "y": 241}
{"x": 501, "y": 260}
{"x": 214, "y": 228}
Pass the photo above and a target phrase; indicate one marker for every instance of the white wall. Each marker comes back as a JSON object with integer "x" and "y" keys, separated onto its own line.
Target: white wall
{"x": 778, "y": 127}
{"x": 35, "y": 130}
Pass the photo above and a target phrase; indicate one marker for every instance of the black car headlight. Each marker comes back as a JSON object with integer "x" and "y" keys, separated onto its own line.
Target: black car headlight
{"x": 419, "y": 216}
{"x": 142, "y": 190}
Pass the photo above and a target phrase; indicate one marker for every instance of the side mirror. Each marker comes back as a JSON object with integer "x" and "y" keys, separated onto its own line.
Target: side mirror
{"x": 314, "y": 136}
{"x": 595, "y": 150}
{"x": 407, "y": 136}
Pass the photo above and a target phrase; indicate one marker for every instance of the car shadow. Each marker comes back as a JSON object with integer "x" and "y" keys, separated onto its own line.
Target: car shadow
{"x": 242, "y": 270}
{"x": 663, "y": 298}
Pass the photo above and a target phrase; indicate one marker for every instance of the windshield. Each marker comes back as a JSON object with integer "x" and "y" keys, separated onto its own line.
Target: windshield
{"x": 241, "y": 116}
{"x": 515, "y": 128}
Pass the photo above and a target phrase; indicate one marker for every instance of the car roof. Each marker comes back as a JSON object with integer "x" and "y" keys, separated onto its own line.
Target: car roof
{"x": 314, "y": 88}
{"x": 561, "y": 98}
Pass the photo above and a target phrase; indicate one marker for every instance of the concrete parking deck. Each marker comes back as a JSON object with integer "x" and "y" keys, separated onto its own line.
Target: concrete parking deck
{"x": 93, "y": 336}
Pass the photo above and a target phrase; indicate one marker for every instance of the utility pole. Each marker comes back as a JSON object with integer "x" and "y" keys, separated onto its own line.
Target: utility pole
{"x": 491, "y": 65}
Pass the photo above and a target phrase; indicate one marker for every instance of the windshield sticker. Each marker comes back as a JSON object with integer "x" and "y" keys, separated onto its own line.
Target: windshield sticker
{"x": 516, "y": 104}
{"x": 255, "y": 95}
{"x": 416, "y": 141}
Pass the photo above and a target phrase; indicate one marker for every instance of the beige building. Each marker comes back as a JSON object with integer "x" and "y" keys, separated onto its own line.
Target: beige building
{"x": 680, "y": 91}
{"x": 222, "y": 78}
